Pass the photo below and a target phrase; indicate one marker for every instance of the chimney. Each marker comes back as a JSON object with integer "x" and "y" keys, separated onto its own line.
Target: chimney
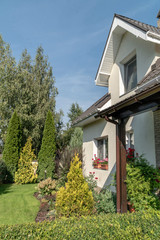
{"x": 158, "y": 22}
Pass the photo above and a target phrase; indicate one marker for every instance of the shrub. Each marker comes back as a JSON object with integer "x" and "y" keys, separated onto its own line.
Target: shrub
{"x": 75, "y": 198}
{"x": 3, "y": 171}
{"x": 143, "y": 180}
{"x": 105, "y": 202}
{"x": 66, "y": 157}
{"x": 47, "y": 187}
{"x": 47, "y": 152}
{"x": 140, "y": 225}
{"x": 139, "y": 190}
{"x": 12, "y": 146}
{"x": 25, "y": 172}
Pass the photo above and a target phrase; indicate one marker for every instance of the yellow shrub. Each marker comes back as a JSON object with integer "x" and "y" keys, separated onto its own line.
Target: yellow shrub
{"x": 26, "y": 172}
{"x": 75, "y": 198}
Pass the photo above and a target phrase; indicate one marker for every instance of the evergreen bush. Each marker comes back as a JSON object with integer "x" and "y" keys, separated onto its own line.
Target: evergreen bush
{"x": 3, "y": 171}
{"x": 46, "y": 156}
{"x": 105, "y": 202}
{"x": 75, "y": 198}
{"x": 12, "y": 146}
{"x": 66, "y": 157}
{"x": 143, "y": 180}
{"x": 137, "y": 226}
{"x": 26, "y": 172}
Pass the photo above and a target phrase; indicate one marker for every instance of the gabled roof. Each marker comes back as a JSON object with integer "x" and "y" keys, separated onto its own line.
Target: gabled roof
{"x": 93, "y": 109}
{"x": 120, "y": 25}
{"x": 143, "y": 26}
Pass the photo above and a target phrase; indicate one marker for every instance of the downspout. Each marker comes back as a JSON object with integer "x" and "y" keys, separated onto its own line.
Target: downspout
{"x": 118, "y": 168}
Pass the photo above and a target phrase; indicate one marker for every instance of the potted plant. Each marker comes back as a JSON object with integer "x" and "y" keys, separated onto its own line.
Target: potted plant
{"x": 104, "y": 164}
{"x": 100, "y": 164}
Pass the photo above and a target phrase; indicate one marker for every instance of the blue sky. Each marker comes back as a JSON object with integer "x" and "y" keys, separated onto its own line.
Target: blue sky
{"x": 73, "y": 35}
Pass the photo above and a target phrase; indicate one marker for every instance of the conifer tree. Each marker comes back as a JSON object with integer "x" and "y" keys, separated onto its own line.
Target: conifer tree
{"x": 75, "y": 198}
{"x": 76, "y": 138}
{"x": 46, "y": 156}
{"x": 12, "y": 146}
{"x": 26, "y": 171}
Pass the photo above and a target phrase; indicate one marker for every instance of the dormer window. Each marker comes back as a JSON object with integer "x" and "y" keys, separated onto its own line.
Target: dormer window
{"x": 130, "y": 74}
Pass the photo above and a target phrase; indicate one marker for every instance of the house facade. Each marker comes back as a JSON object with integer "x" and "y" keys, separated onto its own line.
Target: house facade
{"x": 130, "y": 70}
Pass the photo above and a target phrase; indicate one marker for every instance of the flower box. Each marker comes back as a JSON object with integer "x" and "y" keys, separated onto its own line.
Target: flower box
{"x": 101, "y": 166}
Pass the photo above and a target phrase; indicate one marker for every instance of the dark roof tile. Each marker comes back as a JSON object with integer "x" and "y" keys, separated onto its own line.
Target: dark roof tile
{"x": 94, "y": 108}
{"x": 155, "y": 72}
{"x": 143, "y": 26}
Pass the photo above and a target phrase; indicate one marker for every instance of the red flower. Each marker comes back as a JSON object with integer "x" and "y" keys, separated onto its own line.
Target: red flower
{"x": 93, "y": 172}
{"x": 96, "y": 178}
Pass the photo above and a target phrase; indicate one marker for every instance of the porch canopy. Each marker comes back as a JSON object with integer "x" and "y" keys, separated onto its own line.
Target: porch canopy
{"x": 145, "y": 97}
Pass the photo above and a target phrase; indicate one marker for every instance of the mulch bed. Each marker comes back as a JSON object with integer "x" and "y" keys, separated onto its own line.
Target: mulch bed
{"x": 44, "y": 208}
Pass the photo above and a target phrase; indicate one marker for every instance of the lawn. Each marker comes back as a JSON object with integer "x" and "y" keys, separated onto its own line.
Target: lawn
{"x": 17, "y": 204}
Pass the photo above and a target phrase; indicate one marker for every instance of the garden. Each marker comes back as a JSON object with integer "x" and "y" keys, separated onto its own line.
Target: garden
{"x": 77, "y": 211}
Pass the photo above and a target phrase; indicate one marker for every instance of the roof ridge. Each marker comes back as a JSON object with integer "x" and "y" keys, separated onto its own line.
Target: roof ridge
{"x": 139, "y": 22}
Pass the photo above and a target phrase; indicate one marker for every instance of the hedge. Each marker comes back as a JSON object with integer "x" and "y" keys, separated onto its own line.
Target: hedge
{"x": 140, "y": 225}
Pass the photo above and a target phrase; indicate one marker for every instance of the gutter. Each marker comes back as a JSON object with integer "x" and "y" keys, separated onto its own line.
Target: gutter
{"x": 153, "y": 35}
{"x": 134, "y": 98}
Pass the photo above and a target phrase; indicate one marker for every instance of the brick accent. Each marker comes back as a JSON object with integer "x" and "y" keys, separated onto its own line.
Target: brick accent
{"x": 156, "y": 115}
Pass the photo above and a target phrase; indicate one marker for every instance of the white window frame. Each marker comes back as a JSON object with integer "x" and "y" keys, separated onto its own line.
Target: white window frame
{"x": 104, "y": 146}
{"x": 129, "y": 139}
{"x": 121, "y": 65}
{"x": 126, "y": 79}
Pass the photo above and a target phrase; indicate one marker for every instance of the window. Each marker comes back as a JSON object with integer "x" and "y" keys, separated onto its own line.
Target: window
{"x": 130, "y": 74}
{"x": 102, "y": 148}
{"x": 129, "y": 139}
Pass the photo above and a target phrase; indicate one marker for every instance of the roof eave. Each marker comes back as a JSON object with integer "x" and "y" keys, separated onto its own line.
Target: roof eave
{"x": 140, "y": 95}
{"x": 87, "y": 120}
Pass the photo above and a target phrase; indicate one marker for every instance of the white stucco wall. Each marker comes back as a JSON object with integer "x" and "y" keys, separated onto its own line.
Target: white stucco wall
{"x": 143, "y": 129}
{"x": 143, "y": 125}
{"x": 146, "y": 53}
{"x": 90, "y": 132}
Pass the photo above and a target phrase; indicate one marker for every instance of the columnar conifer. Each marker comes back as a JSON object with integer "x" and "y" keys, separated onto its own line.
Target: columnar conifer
{"x": 46, "y": 156}
{"x": 12, "y": 146}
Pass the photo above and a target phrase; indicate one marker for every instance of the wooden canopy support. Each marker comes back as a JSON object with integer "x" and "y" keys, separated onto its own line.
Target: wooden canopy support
{"x": 120, "y": 165}
{"x": 121, "y": 168}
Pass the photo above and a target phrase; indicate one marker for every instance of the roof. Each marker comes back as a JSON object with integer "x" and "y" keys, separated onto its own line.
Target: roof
{"x": 143, "y": 26}
{"x": 94, "y": 108}
{"x": 119, "y": 26}
{"x": 155, "y": 72}
{"x": 149, "y": 85}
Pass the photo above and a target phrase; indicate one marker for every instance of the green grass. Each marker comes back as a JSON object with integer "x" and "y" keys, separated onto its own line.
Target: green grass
{"x": 17, "y": 204}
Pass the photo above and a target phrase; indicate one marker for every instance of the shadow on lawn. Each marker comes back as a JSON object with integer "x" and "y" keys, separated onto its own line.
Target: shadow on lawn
{"x": 4, "y": 188}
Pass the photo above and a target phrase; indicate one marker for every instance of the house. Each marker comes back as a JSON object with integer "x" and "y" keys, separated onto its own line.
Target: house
{"x": 128, "y": 115}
